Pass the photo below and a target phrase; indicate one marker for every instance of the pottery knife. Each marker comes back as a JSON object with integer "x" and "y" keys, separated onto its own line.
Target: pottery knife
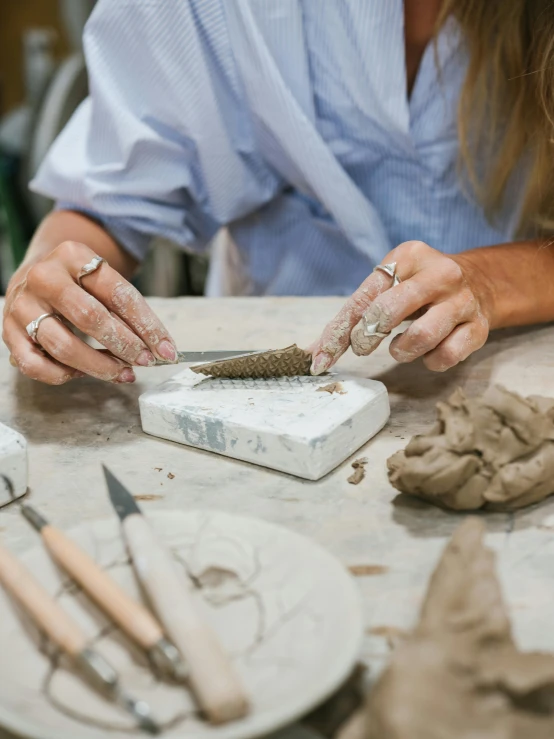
{"x": 67, "y": 636}
{"x": 209, "y": 356}
{"x": 132, "y": 617}
{"x": 215, "y": 685}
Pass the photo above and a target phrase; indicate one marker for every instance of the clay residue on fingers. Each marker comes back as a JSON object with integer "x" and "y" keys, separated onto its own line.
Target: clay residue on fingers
{"x": 379, "y": 314}
{"x": 361, "y": 344}
{"x": 132, "y": 307}
{"x": 120, "y": 340}
{"x": 494, "y": 451}
{"x": 126, "y": 298}
{"x": 335, "y": 338}
{"x": 459, "y": 674}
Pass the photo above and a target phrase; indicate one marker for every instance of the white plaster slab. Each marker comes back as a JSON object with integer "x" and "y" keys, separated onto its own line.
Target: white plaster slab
{"x": 13, "y": 463}
{"x": 287, "y": 424}
{"x": 286, "y": 611}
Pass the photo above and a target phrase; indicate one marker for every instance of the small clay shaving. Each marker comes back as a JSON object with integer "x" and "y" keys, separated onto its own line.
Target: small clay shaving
{"x": 333, "y": 387}
{"x": 148, "y": 496}
{"x": 359, "y": 471}
{"x": 289, "y": 362}
{"x": 367, "y": 570}
{"x": 495, "y": 451}
{"x": 171, "y": 476}
{"x": 459, "y": 674}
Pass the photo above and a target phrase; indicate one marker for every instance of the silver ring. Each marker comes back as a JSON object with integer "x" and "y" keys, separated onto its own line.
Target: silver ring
{"x": 89, "y": 268}
{"x": 32, "y": 328}
{"x": 372, "y": 329}
{"x": 390, "y": 270}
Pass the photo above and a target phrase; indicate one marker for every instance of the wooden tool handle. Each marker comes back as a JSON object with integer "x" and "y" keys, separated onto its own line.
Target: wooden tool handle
{"x": 213, "y": 679}
{"x": 131, "y": 616}
{"x": 48, "y": 615}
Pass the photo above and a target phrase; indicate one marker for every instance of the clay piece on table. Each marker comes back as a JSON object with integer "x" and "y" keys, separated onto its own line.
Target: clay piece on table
{"x": 332, "y": 387}
{"x": 494, "y": 451}
{"x": 459, "y": 674}
{"x": 358, "y": 465}
{"x": 289, "y": 362}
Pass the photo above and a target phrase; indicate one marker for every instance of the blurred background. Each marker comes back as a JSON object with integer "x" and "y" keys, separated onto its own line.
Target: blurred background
{"x": 42, "y": 81}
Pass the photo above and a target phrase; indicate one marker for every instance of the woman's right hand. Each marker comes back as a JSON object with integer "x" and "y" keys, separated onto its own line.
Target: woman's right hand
{"x": 103, "y": 305}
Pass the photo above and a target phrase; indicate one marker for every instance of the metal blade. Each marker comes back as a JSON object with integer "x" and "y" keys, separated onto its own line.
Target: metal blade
{"x": 193, "y": 357}
{"x": 103, "y": 677}
{"x": 140, "y": 711}
{"x": 121, "y": 498}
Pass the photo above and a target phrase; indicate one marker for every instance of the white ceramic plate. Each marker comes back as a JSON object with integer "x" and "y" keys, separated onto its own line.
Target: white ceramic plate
{"x": 285, "y": 609}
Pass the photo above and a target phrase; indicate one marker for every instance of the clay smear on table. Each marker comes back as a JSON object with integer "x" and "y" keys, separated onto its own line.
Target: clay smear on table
{"x": 496, "y": 450}
{"x": 459, "y": 674}
{"x": 289, "y": 362}
{"x": 367, "y": 570}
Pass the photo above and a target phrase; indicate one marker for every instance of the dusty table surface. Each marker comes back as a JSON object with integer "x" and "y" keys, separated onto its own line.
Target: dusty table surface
{"x": 71, "y": 430}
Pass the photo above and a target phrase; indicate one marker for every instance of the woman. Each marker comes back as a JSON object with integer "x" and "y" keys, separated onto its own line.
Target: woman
{"x": 321, "y": 135}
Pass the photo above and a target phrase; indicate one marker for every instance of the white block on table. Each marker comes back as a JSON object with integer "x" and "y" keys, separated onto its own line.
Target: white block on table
{"x": 13, "y": 462}
{"x": 287, "y": 424}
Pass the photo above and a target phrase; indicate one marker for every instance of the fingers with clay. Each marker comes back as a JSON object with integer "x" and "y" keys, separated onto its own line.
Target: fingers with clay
{"x": 335, "y": 339}
{"x": 452, "y": 320}
{"x": 82, "y": 290}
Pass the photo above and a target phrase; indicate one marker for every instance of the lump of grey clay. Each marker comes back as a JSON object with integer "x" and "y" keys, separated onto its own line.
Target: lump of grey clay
{"x": 459, "y": 674}
{"x": 494, "y": 451}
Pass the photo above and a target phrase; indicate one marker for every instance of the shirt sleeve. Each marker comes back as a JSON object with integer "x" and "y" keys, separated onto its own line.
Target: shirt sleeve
{"x": 163, "y": 144}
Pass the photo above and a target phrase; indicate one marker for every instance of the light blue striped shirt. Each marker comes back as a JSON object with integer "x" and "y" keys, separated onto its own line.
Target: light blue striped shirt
{"x": 285, "y": 120}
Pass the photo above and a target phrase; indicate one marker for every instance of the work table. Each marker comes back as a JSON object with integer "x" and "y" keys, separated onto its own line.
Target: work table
{"x": 72, "y": 429}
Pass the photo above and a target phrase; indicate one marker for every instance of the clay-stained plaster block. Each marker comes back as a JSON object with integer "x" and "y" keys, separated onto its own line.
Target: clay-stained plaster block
{"x": 289, "y": 362}
{"x": 13, "y": 462}
{"x": 281, "y": 423}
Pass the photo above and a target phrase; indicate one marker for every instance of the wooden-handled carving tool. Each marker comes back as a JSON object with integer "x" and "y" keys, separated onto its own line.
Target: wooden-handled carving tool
{"x": 132, "y": 617}
{"x": 67, "y": 635}
{"x": 213, "y": 680}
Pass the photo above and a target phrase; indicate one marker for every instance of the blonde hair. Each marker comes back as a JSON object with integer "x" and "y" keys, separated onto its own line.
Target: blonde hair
{"x": 506, "y": 111}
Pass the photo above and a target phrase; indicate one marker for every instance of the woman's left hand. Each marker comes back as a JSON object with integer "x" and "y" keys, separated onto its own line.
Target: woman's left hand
{"x": 449, "y": 298}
